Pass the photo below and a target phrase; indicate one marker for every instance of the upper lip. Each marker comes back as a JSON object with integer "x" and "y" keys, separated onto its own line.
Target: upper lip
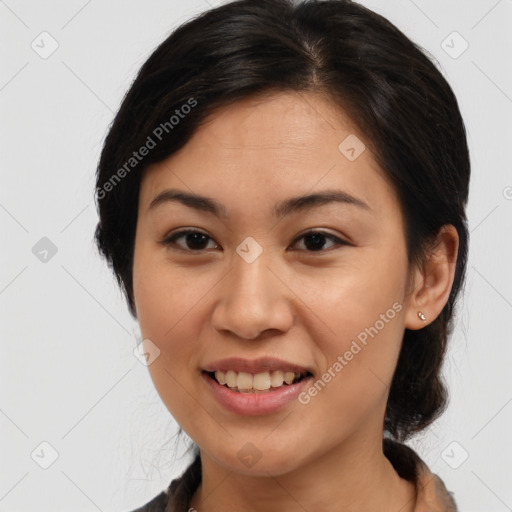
{"x": 262, "y": 364}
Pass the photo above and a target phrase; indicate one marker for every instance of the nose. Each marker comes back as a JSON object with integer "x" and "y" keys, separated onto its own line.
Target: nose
{"x": 253, "y": 298}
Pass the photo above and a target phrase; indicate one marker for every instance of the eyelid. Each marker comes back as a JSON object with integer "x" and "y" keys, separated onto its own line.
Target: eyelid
{"x": 169, "y": 240}
{"x": 338, "y": 241}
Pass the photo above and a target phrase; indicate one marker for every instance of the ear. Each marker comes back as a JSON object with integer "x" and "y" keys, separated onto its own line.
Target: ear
{"x": 433, "y": 282}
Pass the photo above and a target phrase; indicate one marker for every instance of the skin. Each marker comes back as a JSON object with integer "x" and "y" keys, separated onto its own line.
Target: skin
{"x": 292, "y": 302}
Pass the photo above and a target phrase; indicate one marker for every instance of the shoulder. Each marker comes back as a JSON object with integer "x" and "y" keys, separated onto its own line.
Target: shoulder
{"x": 177, "y": 496}
{"x": 432, "y": 495}
{"x": 157, "y": 504}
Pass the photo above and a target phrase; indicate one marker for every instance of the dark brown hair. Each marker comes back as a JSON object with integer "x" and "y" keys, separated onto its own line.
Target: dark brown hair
{"x": 360, "y": 61}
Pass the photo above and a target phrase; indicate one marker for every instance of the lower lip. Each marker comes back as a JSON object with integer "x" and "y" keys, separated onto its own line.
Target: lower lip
{"x": 254, "y": 404}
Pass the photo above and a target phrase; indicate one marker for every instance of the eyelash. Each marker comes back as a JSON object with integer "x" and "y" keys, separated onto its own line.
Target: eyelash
{"x": 171, "y": 240}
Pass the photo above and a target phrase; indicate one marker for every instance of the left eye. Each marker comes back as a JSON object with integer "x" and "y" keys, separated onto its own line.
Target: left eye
{"x": 316, "y": 240}
{"x": 196, "y": 240}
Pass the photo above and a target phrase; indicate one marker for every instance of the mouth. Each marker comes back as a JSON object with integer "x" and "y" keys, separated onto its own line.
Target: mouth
{"x": 256, "y": 383}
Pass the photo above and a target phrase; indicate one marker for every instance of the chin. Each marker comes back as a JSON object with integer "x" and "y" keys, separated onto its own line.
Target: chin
{"x": 249, "y": 460}
{"x": 275, "y": 465}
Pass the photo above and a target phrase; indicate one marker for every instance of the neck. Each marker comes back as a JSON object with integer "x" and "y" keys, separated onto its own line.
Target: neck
{"x": 355, "y": 476}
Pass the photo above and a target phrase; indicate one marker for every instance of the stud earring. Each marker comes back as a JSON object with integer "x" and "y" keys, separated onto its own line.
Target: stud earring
{"x": 422, "y": 316}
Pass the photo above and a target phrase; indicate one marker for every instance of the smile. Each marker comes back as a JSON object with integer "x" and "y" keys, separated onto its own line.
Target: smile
{"x": 262, "y": 382}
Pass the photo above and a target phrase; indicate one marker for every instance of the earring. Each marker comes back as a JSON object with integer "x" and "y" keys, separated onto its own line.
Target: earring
{"x": 422, "y": 316}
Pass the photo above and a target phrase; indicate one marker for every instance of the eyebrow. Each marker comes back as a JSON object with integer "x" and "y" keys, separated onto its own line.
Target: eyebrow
{"x": 282, "y": 209}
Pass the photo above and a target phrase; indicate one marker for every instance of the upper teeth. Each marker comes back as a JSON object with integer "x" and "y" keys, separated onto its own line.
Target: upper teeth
{"x": 261, "y": 381}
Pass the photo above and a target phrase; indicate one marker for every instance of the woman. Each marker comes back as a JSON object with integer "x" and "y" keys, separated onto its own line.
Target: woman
{"x": 282, "y": 199}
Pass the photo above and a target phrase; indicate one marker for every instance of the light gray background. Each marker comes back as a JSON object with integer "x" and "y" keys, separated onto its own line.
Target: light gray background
{"x": 68, "y": 373}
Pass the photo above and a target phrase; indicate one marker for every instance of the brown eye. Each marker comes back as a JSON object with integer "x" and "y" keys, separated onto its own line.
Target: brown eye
{"x": 314, "y": 241}
{"x": 194, "y": 240}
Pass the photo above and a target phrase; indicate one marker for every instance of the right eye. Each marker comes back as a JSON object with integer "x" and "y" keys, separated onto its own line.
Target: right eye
{"x": 193, "y": 238}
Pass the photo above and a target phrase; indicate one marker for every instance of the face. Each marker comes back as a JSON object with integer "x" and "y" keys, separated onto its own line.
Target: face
{"x": 315, "y": 287}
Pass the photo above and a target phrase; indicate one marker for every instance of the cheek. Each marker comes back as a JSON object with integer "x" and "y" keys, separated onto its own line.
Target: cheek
{"x": 164, "y": 300}
{"x": 353, "y": 297}
{"x": 362, "y": 307}
{"x": 164, "y": 292}
{"x": 358, "y": 363}
{"x": 165, "y": 305}
{"x": 342, "y": 310}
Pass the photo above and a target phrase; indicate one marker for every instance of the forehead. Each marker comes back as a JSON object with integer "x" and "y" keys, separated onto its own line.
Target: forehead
{"x": 273, "y": 123}
{"x": 294, "y": 119}
{"x": 259, "y": 146}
